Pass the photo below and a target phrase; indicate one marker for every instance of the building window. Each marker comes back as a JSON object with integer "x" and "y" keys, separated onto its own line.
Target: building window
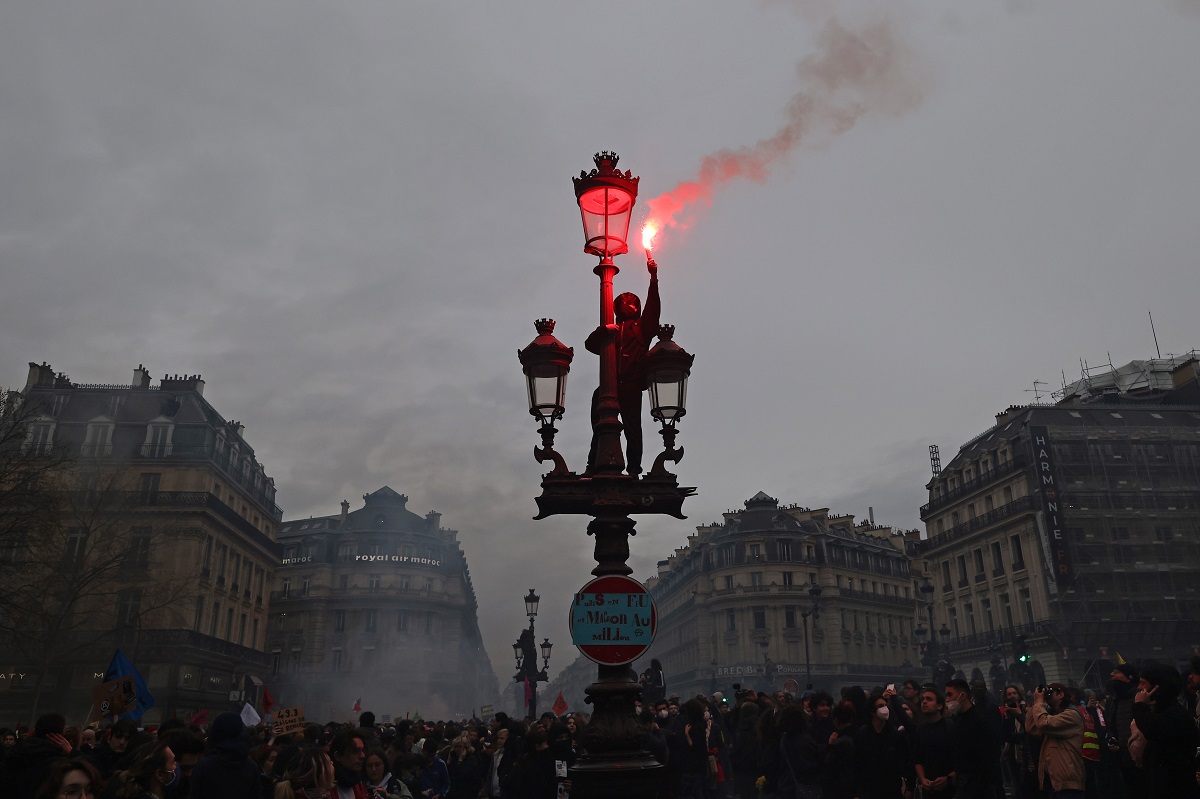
{"x": 76, "y": 549}
{"x": 345, "y": 552}
{"x": 430, "y": 623}
{"x": 947, "y": 583}
{"x": 305, "y": 586}
{"x": 428, "y": 583}
{"x": 760, "y": 617}
{"x": 997, "y": 560}
{"x": 222, "y": 555}
{"x": 789, "y": 617}
{"x": 406, "y": 551}
{"x": 987, "y": 614}
{"x": 158, "y": 440}
{"x": 1120, "y": 533}
{"x": 339, "y": 621}
{"x": 374, "y": 549}
{"x": 336, "y": 660}
{"x": 756, "y": 579}
{"x": 372, "y": 621}
{"x": 275, "y": 663}
{"x": 979, "y": 570}
{"x": 788, "y": 578}
{"x": 40, "y": 438}
{"x": 755, "y": 551}
{"x": 1018, "y": 555}
{"x": 242, "y": 631}
{"x": 1163, "y": 534}
{"x": 785, "y": 551}
{"x": 229, "y": 624}
{"x": 729, "y": 582}
{"x": 215, "y": 620}
{"x": 730, "y": 621}
{"x": 962, "y": 571}
{"x": 405, "y": 582}
{"x": 198, "y": 619}
{"x": 129, "y": 605}
{"x": 98, "y": 440}
{"x": 1027, "y": 601}
{"x": 343, "y": 581}
{"x": 286, "y": 589}
{"x": 373, "y": 582}
{"x": 139, "y": 547}
{"x": 254, "y": 635}
{"x": 1008, "y": 495}
{"x": 402, "y": 621}
{"x": 1006, "y": 607}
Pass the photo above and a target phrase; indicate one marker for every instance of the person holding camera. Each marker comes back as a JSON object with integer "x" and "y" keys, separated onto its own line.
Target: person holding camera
{"x": 1060, "y": 767}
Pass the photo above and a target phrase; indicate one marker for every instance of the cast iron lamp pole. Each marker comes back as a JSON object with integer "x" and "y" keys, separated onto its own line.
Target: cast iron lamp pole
{"x": 815, "y": 612}
{"x": 526, "y": 654}
{"x": 615, "y": 761}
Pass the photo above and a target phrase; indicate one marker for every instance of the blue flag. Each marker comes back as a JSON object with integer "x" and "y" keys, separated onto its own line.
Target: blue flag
{"x": 122, "y": 667}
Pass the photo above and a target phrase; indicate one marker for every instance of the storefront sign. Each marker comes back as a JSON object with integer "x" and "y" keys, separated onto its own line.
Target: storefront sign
{"x": 397, "y": 559}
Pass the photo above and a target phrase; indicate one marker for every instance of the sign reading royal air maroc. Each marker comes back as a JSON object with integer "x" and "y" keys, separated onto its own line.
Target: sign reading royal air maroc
{"x": 613, "y": 620}
{"x": 1046, "y": 484}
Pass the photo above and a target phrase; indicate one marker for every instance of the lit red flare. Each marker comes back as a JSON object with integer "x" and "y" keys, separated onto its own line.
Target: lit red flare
{"x": 649, "y": 231}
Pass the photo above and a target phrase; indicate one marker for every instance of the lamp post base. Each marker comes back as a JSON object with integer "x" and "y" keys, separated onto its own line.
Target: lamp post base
{"x": 617, "y": 763}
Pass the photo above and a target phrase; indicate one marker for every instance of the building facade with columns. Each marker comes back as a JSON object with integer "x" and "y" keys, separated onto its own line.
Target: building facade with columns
{"x": 1071, "y": 532}
{"x": 376, "y": 605}
{"x": 736, "y": 605}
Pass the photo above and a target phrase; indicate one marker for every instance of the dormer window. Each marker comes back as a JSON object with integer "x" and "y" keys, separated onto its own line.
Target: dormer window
{"x": 39, "y": 438}
{"x": 98, "y": 441}
{"x": 158, "y": 438}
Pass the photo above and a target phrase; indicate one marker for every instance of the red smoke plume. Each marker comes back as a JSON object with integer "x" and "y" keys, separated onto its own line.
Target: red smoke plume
{"x": 853, "y": 73}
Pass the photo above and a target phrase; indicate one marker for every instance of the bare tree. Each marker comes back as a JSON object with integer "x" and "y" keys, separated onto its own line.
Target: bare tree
{"x": 80, "y": 559}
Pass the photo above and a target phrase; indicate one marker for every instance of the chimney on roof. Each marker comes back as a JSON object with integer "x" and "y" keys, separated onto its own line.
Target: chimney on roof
{"x": 141, "y": 377}
{"x": 40, "y": 374}
{"x": 434, "y": 520}
{"x": 182, "y": 383}
{"x": 345, "y": 510}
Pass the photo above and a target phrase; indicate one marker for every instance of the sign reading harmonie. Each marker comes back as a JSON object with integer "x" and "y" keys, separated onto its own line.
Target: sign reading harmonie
{"x": 1045, "y": 482}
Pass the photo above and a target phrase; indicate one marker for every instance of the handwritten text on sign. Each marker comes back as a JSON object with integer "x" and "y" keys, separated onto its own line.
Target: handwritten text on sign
{"x": 600, "y": 619}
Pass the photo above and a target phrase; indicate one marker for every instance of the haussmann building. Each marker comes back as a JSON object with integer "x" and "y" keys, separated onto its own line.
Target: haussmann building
{"x": 376, "y": 605}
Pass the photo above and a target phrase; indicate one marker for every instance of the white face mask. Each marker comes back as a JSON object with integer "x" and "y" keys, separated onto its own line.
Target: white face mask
{"x": 707, "y": 715}
{"x": 883, "y": 713}
{"x": 662, "y": 714}
{"x": 952, "y": 707}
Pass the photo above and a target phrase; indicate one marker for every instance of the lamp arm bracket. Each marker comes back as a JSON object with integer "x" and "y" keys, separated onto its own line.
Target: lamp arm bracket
{"x": 547, "y": 453}
{"x": 670, "y": 453}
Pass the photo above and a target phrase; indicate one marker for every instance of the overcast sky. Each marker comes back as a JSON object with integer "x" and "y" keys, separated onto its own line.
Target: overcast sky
{"x": 346, "y": 217}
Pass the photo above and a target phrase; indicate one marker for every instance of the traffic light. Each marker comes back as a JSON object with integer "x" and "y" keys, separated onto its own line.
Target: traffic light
{"x": 1021, "y": 649}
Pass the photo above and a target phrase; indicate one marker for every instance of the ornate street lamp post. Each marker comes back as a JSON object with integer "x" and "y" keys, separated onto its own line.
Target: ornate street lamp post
{"x": 612, "y": 488}
{"x": 525, "y": 651}
{"x": 815, "y": 611}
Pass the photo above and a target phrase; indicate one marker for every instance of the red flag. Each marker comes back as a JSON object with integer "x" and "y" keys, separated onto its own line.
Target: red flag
{"x": 528, "y": 693}
{"x": 560, "y": 705}
{"x": 357, "y": 705}
{"x": 200, "y": 719}
{"x": 268, "y": 700}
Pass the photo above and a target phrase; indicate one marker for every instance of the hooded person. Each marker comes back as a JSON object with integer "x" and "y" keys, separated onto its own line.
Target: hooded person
{"x": 30, "y": 759}
{"x": 1170, "y": 734}
{"x": 225, "y": 771}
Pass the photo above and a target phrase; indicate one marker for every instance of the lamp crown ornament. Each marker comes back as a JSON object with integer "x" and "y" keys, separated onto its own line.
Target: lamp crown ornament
{"x": 544, "y": 327}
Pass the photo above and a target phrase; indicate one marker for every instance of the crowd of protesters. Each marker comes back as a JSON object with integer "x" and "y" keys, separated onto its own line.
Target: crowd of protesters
{"x": 951, "y": 741}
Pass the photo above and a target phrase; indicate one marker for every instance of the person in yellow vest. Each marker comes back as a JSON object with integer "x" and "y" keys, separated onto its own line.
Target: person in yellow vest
{"x": 1060, "y": 768}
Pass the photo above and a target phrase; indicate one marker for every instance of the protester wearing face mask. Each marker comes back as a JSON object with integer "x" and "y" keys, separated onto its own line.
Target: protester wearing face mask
{"x": 879, "y": 753}
{"x": 151, "y": 773}
{"x": 976, "y": 750}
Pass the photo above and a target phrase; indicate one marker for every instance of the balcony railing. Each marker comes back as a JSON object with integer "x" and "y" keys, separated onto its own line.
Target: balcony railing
{"x": 1013, "y": 508}
{"x": 974, "y": 484}
{"x": 851, "y": 593}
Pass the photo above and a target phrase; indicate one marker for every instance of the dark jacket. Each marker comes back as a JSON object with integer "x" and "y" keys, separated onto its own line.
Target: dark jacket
{"x": 26, "y": 765}
{"x": 223, "y": 773}
{"x": 533, "y": 777}
{"x": 881, "y": 760}
{"x": 976, "y": 755}
{"x": 466, "y": 775}
{"x": 1170, "y": 750}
